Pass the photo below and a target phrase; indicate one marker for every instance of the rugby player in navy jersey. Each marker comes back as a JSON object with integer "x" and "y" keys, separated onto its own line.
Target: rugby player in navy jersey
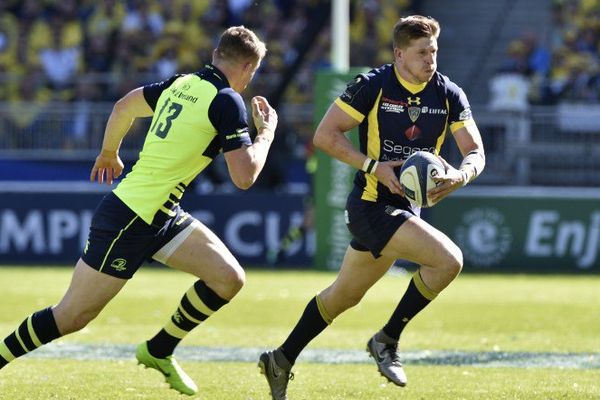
{"x": 399, "y": 108}
{"x": 195, "y": 117}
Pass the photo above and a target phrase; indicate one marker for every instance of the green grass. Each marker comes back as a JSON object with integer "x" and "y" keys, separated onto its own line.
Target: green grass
{"x": 76, "y": 380}
{"x": 532, "y": 313}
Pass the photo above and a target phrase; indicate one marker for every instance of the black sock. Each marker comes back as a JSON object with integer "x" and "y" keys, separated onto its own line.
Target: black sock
{"x": 198, "y": 303}
{"x": 416, "y": 298}
{"x": 312, "y": 322}
{"x": 36, "y": 330}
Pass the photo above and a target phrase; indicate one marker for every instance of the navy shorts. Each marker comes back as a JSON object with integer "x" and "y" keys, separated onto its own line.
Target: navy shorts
{"x": 372, "y": 224}
{"x": 120, "y": 241}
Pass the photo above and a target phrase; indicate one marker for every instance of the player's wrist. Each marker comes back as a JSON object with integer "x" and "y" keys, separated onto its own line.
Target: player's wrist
{"x": 265, "y": 136}
{"x": 265, "y": 130}
{"x": 369, "y": 166}
{"x": 109, "y": 153}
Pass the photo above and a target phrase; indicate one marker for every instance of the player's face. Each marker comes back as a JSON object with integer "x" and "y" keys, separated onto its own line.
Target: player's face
{"x": 418, "y": 61}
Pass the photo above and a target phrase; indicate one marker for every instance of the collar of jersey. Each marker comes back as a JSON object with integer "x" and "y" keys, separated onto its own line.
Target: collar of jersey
{"x": 411, "y": 87}
{"x": 217, "y": 72}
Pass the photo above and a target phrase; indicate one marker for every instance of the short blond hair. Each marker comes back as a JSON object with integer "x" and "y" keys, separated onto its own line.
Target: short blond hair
{"x": 240, "y": 44}
{"x": 414, "y": 27}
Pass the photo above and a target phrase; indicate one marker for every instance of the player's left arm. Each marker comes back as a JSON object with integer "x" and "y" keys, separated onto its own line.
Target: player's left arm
{"x": 108, "y": 164}
{"x": 468, "y": 140}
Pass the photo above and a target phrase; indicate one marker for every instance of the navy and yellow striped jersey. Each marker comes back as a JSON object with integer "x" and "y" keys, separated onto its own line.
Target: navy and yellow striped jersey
{"x": 398, "y": 118}
{"x": 196, "y": 116}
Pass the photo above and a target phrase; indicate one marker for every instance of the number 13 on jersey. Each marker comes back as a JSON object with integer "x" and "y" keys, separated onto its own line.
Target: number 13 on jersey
{"x": 163, "y": 122}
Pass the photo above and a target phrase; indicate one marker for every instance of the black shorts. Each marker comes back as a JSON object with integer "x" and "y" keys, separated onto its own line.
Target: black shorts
{"x": 372, "y": 224}
{"x": 120, "y": 241}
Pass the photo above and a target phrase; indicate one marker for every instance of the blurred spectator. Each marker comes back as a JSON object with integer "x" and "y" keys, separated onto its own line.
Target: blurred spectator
{"x": 59, "y": 62}
{"x": 509, "y": 92}
{"x": 28, "y": 99}
{"x": 510, "y": 85}
{"x": 78, "y": 131}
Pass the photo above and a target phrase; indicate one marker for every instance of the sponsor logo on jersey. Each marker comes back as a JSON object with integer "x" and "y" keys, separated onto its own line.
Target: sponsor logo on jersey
{"x": 413, "y": 113}
{"x": 412, "y": 133}
{"x": 465, "y": 114}
{"x": 395, "y": 151}
{"x": 238, "y": 133}
{"x": 399, "y": 106}
{"x": 416, "y": 100}
{"x": 352, "y": 89}
{"x": 178, "y": 94}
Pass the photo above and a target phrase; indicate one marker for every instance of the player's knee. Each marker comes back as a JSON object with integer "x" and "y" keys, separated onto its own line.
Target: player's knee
{"x": 348, "y": 300}
{"x": 232, "y": 281}
{"x": 455, "y": 262}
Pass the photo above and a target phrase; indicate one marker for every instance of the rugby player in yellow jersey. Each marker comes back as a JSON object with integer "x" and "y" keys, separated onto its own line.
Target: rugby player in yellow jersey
{"x": 399, "y": 108}
{"x": 195, "y": 117}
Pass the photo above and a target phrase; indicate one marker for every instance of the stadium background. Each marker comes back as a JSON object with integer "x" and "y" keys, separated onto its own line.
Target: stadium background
{"x": 530, "y": 69}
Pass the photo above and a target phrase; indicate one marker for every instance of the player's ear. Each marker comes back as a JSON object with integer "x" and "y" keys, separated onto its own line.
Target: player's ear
{"x": 397, "y": 52}
{"x": 248, "y": 66}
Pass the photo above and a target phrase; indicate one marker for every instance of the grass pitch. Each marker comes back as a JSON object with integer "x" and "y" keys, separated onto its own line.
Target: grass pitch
{"x": 541, "y": 315}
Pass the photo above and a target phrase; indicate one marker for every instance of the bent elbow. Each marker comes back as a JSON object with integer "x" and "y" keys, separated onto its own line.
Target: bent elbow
{"x": 243, "y": 183}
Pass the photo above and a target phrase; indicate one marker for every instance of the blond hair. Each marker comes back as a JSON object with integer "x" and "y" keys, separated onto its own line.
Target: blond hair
{"x": 240, "y": 44}
{"x": 414, "y": 27}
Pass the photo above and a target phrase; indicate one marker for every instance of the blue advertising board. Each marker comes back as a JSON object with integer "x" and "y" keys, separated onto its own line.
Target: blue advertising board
{"x": 52, "y": 227}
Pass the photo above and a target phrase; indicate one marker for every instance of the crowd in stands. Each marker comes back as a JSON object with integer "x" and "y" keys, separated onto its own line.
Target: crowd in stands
{"x": 82, "y": 52}
{"x": 117, "y": 45}
{"x": 563, "y": 68}
{"x": 82, "y": 55}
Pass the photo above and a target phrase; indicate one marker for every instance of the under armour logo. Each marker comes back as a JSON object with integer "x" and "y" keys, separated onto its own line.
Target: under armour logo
{"x": 416, "y": 100}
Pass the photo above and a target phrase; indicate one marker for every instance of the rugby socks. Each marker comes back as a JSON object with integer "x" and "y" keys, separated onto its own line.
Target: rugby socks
{"x": 416, "y": 298}
{"x": 198, "y": 303}
{"x": 37, "y": 329}
{"x": 313, "y": 321}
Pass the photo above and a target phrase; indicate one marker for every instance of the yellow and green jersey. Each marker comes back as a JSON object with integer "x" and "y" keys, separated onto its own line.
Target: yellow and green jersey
{"x": 196, "y": 116}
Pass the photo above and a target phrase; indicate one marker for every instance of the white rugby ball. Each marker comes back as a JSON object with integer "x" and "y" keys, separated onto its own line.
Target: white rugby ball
{"x": 416, "y": 177}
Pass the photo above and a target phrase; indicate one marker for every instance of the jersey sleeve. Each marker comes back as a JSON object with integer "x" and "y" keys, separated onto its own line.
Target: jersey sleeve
{"x": 227, "y": 113}
{"x": 153, "y": 91}
{"x": 460, "y": 113}
{"x": 358, "y": 98}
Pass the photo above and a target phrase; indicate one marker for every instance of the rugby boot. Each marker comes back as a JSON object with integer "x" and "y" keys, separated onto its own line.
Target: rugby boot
{"x": 277, "y": 376}
{"x": 388, "y": 360}
{"x": 173, "y": 373}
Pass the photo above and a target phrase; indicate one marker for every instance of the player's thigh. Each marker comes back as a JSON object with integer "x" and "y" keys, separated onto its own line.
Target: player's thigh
{"x": 203, "y": 254}
{"x": 418, "y": 241}
{"x": 88, "y": 293}
{"x": 360, "y": 270}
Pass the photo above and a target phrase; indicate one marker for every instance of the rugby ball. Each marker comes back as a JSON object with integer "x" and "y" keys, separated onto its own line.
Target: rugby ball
{"x": 416, "y": 177}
